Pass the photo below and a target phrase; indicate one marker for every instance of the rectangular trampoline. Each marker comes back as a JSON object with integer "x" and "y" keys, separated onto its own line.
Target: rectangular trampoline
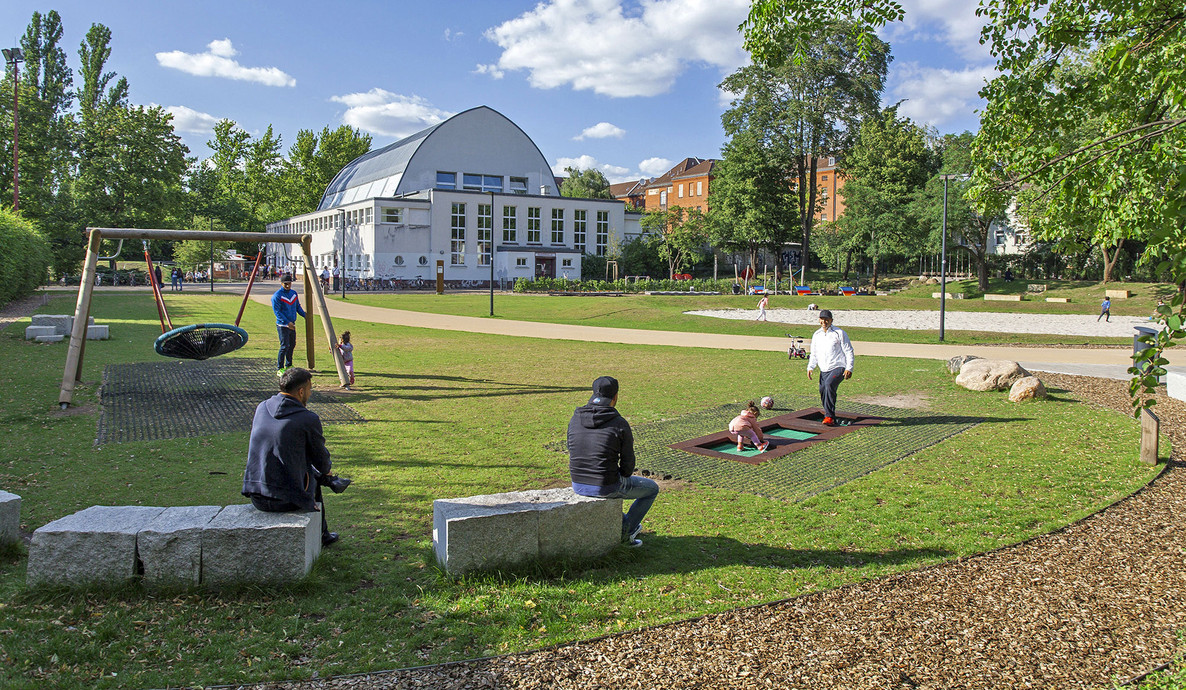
{"x": 786, "y": 433}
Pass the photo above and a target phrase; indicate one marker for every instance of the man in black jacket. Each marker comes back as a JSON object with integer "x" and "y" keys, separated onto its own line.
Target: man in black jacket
{"x": 601, "y": 457}
{"x": 287, "y": 461}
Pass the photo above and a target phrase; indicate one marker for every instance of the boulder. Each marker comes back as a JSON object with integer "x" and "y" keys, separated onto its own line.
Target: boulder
{"x": 954, "y": 364}
{"x": 989, "y": 374}
{"x": 1027, "y": 388}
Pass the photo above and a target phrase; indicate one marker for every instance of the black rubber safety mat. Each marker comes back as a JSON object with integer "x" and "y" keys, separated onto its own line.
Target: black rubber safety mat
{"x": 150, "y": 401}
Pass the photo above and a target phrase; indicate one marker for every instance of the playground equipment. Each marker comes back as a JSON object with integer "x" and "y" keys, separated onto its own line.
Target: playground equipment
{"x": 189, "y": 341}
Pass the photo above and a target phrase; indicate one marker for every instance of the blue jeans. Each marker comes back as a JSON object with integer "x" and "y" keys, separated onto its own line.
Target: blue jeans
{"x": 643, "y": 491}
{"x": 287, "y": 345}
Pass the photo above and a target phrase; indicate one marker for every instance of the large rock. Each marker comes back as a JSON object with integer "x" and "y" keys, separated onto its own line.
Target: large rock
{"x": 511, "y": 529}
{"x": 1027, "y": 388}
{"x": 242, "y": 544}
{"x": 93, "y": 546}
{"x": 170, "y": 547}
{"x": 989, "y": 374}
{"x": 10, "y": 517}
{"x": 955, "y": 363}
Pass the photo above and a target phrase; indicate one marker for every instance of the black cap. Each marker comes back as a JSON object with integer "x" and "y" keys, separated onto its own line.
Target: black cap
{"x": 825, "y": 314}
{"x": 605, "y": 389}
{"x": 286, "y": 278}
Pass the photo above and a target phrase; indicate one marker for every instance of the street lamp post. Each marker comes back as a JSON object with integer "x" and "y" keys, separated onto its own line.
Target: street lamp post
{"x": 342, "y": 261}
{"x": 14, "y": 57}
{"x": 943, "y": 255}
{"x": 491, "y": 230}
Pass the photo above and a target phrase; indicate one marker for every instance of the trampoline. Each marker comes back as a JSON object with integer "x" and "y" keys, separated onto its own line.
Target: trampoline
{"x": 786, "y": 433}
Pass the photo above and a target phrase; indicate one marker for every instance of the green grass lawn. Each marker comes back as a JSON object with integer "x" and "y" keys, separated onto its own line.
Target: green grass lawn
{"x": 456, "y": 414}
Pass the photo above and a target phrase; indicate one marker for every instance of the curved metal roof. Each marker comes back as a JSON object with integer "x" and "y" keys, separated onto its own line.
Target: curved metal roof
{"x": 375, "y": 173}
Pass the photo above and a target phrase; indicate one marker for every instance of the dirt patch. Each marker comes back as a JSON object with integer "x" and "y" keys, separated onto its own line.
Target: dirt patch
{"x": 21, "y": 308}
{"x": 73, "y": 411}
{"x": 914, "y": 400}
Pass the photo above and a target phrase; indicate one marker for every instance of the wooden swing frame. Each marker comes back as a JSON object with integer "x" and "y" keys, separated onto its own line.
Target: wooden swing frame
{"x": 72, "y": 375}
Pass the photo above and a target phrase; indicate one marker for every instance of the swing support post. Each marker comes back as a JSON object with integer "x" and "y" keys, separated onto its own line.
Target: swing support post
{"x": 316, "y": 297}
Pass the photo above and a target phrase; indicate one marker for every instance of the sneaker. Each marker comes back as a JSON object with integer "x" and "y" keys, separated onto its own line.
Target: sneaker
{"x": 329, "y": 538}
{"x": 634, "y": 543}
{"x": 740, "y": 447}
{"x": 338, "y": 484}
{"x": 828, "y": 421}
{"x": 763, "y": 446}
{"x": 631, "y": 538}
{"x": 279, "y": 373}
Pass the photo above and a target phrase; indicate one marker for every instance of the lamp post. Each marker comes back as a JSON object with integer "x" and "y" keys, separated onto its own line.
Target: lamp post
{"x": 943, "y": 255}
{"x": 491, "y": 229}
{"x": 342, "y": 261}
{"x": 14, "y": 57}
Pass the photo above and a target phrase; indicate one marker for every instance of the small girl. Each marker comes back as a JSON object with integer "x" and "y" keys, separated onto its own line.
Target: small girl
{"x": 745, "y": 424}
{"x": 347, "y": 352}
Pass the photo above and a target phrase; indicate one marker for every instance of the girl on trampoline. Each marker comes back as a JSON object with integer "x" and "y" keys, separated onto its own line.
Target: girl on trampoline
{"x": 347, "y": 352}
{"x": 746, "y": 424}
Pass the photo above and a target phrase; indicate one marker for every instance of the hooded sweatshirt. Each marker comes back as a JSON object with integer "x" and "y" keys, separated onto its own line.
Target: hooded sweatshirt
{"x": 600, "y": 446}
{"x": 286, "y": 453}
{"x": 287, "y": 305}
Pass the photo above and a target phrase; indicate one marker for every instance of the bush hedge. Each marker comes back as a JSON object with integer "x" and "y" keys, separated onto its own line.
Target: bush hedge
{"x": 724, "y": 286}
{"x": 24, "y": 257}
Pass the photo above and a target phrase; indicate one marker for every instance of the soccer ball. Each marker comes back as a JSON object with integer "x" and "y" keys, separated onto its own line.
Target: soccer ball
{"x": 767, "y": 403}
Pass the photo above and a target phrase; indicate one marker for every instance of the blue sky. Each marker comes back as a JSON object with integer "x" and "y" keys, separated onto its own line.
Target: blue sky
{"x": 626, "y": 87}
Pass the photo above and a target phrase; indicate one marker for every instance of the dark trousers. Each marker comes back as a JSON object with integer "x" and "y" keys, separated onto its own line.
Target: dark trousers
{"x": 829, "y": 382}
{"x": 272, "y": 505}
{"x": 336, "y": 288}
{"x": 287, "y": 346}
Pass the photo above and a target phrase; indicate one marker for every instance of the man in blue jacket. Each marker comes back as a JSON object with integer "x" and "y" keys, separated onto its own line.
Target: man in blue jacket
{"x": 601, "y": 457}
{"x": 287, "y": 461}
{"x": 287, "y": 304}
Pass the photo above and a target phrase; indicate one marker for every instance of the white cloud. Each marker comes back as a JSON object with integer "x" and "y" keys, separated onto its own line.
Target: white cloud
{"x": 389, "y": 114}
{"x": 953, "y": 22}
{"x": 654, "y": 167}
{"x": 492, "y": 70}
{"x": 191, "y": 121}
{"x": 451, "y": 35}
{"x": 217, "y": 62}
{"x": 601, "y": 130}
{"x": 936, "y": 96}
{"x": 595, "y": 45}
{"x": 613, "y": 173}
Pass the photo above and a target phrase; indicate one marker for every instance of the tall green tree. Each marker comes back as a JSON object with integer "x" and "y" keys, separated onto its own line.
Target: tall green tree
{"x": 808, "y": 108}
{"x": 313, "y": 161}
{"x": 888, "y": 164}
{"x": 752, "y": 205}
{"x": 678, "y": 234}
{"x": 585, "y": 184}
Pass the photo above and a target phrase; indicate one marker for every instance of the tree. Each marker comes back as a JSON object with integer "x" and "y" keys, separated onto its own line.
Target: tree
{"x": 885, "y": 169}
{"x": 678, "y": 234}
{"x": 313, "y": 161}
{"x": 808, "y": 108}
{"x": 585, "y": 184}
{"x": 752, "y": 205}
{"x": 97, "y": 92}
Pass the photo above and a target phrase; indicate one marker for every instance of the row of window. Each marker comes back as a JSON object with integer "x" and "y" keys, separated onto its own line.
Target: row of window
{"x": 699, "y": 189}
{"x": 360, "y": 262}
{"x": 480, "y": 183}
{"x": 510, "y": 230}
{"x": 358, "y": 216}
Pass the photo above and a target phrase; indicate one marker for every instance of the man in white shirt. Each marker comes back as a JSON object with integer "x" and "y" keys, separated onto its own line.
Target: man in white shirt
{"x": 832, "y": 353}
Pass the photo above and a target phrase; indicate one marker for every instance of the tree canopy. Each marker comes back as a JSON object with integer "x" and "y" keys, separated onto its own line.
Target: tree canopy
{"x": 585, "y": 184}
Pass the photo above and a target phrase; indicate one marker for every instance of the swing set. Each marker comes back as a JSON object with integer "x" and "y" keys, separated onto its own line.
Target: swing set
{"x": 196, "y": 341}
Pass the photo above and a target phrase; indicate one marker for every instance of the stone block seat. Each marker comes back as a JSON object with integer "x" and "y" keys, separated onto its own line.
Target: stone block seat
{"x": 184, "y": 545}
{"x": 506, "y": 530}
{"x": 10, "y": 517}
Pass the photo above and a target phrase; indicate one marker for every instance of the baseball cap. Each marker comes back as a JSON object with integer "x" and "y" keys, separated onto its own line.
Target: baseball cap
{"x": 604, "y": 389}
{"x": 825, "y": 314}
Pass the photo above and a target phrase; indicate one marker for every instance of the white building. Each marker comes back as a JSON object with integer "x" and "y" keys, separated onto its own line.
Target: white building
{"x": 435, "y": 198}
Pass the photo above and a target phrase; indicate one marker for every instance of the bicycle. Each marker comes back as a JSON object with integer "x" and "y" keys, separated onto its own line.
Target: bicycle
{"x": 796, "y": 350}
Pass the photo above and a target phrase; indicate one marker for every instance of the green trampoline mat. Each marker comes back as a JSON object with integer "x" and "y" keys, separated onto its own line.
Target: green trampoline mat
{"x": 791, "y": 433}
{"x": 749, "y": 452}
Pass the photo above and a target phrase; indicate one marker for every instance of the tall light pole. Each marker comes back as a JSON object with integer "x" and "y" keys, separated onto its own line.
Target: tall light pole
{"x": 14, "y": 57}
{"x": 342, "y": 261}
{"x": 491, "y": 229}
{"x": 943, "y": 255}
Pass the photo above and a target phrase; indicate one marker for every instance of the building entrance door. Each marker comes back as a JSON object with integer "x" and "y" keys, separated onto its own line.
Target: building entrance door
{"x": 545, "y": 268}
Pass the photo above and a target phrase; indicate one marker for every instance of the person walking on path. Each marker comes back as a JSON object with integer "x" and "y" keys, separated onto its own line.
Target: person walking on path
{"x": 287, "y": 304}
{"x": 832, "y": 352}
{"x": 1105, "y": 311}
{"x": 762, "y": 307}
{"x": 601, "y": 457}
{"x": 287, "y": 461}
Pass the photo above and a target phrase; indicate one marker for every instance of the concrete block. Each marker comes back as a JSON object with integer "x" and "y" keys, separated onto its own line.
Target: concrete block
{"x": 10, "y": 517}
{"x": 1058, "y": 299}
{"x": 93, "y": 546}
{"x": 98, "y": 332}
{"x": 50, "y": 338}
{"x": 61, "y": 323}
{"x": 1117, "y": 294}
{"x": 1175, "y": 382}
{"x": 500, "y": 530}
{"x": 1001, "y": 298}
{"x": 32, "y": 332}
{"x": 170, "y": 547}
{"x": 242, "y": 544}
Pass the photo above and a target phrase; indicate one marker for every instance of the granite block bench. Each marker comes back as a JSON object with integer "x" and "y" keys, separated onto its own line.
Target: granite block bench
{"x": 10, "y": 517}
{"x": 185, "y": 545}
{"x": 506, "y": 530}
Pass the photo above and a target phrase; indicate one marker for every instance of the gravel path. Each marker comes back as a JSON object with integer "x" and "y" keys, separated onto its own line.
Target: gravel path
{"x": 1080, "y": 608}
{"x": 1058, "y": 324}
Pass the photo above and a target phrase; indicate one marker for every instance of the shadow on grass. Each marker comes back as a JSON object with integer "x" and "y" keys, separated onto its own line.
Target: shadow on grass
{"x": 468, "y": 388}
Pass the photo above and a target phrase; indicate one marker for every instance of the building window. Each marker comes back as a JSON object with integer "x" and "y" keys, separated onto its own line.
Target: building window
{"x": 579, "y": 225}
{"x": 485, "y": 233}
{"x": 823, "y": 178}
{"x": 681, "y": 190}
{"x": 533, "y": 225}
{"x": 518, "y": 185}
{"x": 393, "y": 215}
{"x": 457, "y": 235}
{"x": 370, "y": 215}
{"x": 663, "y": 198}
{"x": 481, "y": 183}
{"x": 566, "y": 263}
{"x": 602, "y": 236}
{"x": 831, "y": 160}
{"x": 446, "y": 180}
{"x": 521, "y": 262}
{"x": 699, "y": 187}
{"x": 510, "y": 218}
{"x": 824, "y": 216}
{"x": 1000, "y": 237}
{"x": 557, "y": 226}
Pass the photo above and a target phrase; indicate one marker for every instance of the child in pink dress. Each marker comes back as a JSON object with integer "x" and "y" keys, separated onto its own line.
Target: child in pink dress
{"x": 347, "y": 352}
{"x": 746, "y": 424}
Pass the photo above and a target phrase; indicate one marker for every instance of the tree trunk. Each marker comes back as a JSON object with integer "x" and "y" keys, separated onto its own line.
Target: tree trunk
{"x": 874, "y": 283}
{"x": 1110, "y": 263}
{"x": 982, "y": 267}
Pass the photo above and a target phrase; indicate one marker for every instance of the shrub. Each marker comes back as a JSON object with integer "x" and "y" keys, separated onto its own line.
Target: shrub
{"x": 24, "y": 257}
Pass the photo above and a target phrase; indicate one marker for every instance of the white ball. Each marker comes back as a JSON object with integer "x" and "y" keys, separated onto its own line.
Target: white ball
{"x": 767, "y": 403}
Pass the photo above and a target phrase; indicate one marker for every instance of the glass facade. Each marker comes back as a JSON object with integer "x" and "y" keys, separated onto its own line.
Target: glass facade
{"x": 557, "y": 226}
{"x": 602, "y": 237}
{"x": 533, "y": 225}
{"x": 579, "y": 227}
{"x": 510, "y": 221}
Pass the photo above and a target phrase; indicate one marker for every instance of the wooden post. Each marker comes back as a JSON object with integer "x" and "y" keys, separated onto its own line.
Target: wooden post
{"x": 309, "y": 278}
{"x": 1150, "y": 426}
{"x": 317, "y": 300}
{"x": 82, "y": 309}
